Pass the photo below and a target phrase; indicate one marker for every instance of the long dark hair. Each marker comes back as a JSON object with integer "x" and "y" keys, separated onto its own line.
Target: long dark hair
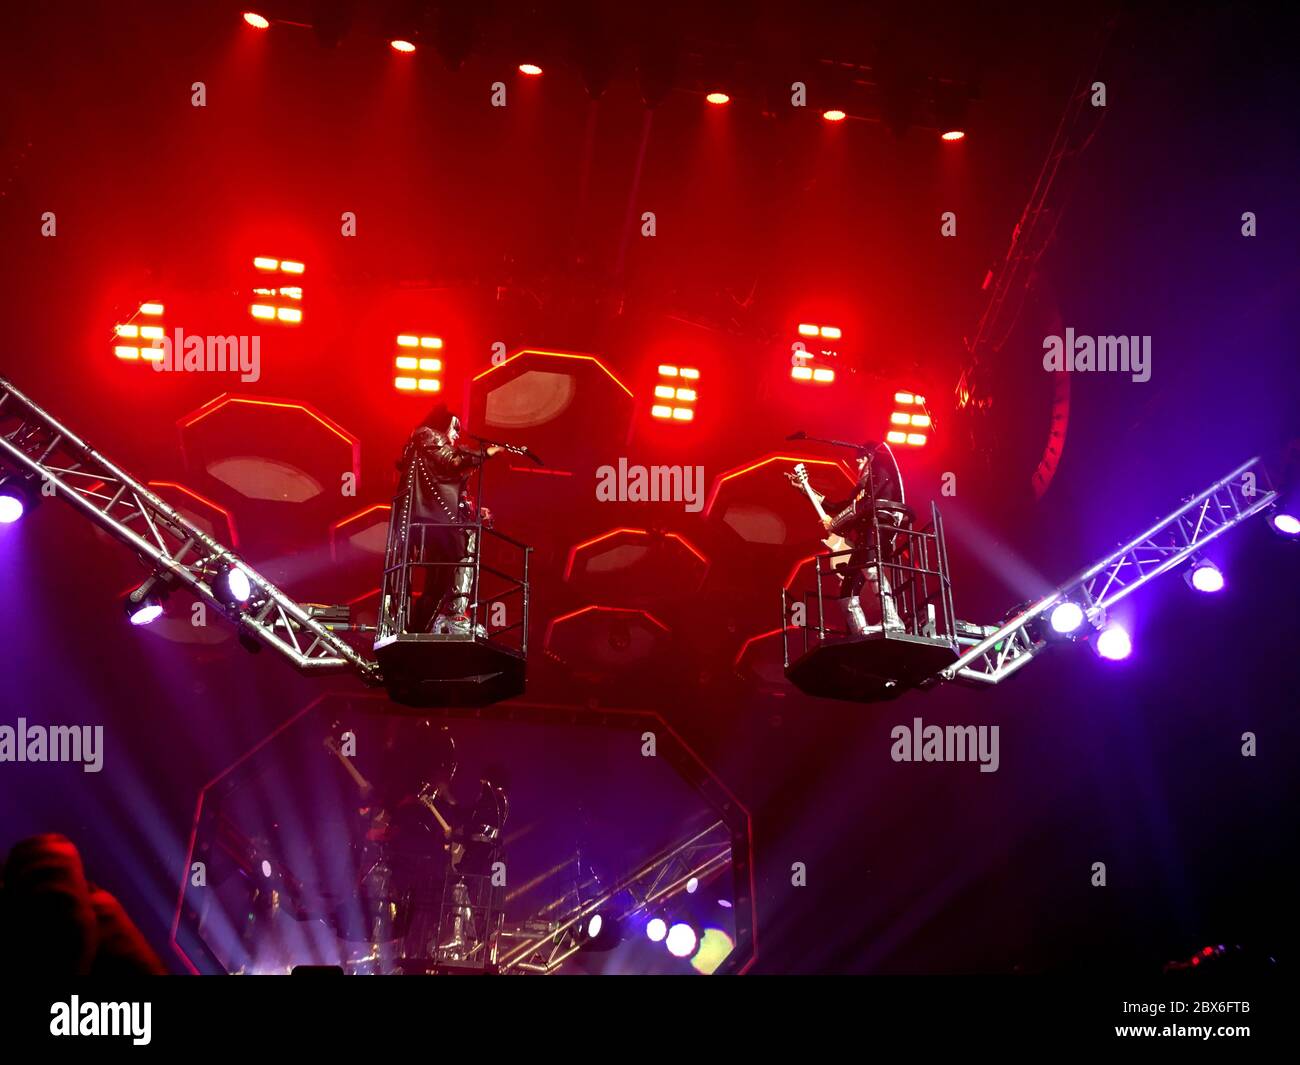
{"x": 439, "y": 418}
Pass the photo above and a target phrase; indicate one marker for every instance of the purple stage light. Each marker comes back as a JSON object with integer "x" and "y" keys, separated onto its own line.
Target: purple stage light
{"x": 656, "y": 929}
{"x": 681, "y": 940}
{"x": 1066, "y": 617}
{"x": 146, "y": 613}
{"x": 1207, "y": 577}
{"x": 11, "y": 508}
{"x": 1286, "y": 524}
{"x": 1113, "y": 643}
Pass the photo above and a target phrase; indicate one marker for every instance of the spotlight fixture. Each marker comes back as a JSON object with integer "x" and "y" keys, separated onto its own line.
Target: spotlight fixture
{"x": 258, "y": 22}
{"x": 232, "y": 585}
{"x": 834, "y": 116}
{"x": 13, "y": 502}
{"x": 656, "y": 929}
{"x": 1204, "y": 576}
{"x": 1284, "y": 524}
{"x": 1066, "y": 618}
{"x": 951, "y": 104}
{"x": 601, "y": 933}
{"x": 681, "y": 940}
{"x": 531, "y": 70}
{"x": 145, "y": 603}
{"x": 718, "y": 98}
{"x": 1113, "y": 642}
{"x": 401, "y": 46}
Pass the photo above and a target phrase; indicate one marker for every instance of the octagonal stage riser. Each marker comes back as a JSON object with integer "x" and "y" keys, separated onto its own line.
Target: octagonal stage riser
{"x": 871, "y": 669}
{"x": 423, "y": 670}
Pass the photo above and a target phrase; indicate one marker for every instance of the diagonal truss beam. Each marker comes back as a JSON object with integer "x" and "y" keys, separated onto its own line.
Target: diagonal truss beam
{"x": 43, "y": 451}
{"x": 661, "y": 878}
{"x": 1203, "y": 518}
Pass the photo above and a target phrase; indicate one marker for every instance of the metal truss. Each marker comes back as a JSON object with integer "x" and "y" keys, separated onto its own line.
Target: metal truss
{"x": 546, "y": 943}
{"x": 1203, "y": 518}
{"x": 47, "y": 454}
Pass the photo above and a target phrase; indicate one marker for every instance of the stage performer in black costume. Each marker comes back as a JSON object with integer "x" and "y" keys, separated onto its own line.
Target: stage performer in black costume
{"x": 879, "y": 480}
{"x": 435, "y": 470}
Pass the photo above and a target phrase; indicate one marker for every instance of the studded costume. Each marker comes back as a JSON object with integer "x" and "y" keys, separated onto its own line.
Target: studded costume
{"x": 442, "y": 521}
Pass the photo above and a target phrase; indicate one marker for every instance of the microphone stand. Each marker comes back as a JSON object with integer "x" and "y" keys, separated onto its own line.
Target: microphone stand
{"x": 870, "y": 446}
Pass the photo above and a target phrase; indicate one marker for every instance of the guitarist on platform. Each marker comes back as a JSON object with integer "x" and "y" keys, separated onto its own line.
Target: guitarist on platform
{"x": 853, "y": 518}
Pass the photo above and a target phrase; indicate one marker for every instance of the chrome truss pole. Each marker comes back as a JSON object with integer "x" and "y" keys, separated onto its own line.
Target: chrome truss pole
{"x": 1228, "y": 502}
{"x": 34, "y": 443}
{"x": 663, "y": 877}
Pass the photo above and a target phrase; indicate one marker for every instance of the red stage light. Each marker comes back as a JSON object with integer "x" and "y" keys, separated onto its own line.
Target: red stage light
{"x": 140, "y": 334}
{"x": 669, "y": 389}
{"x": 718, "y": 98}
{"x": 258, "y": 22}
{"x": 953, "y": 135}
{"x": 805, "y": 366}
{"x": 912, "y": 416}
{"x": 531, "y": 69}
{"x": 401, "y": 46}
{"x": 834, "y": 116}
{"x": 420, "y": 373}
{"x": 281, "y": 303}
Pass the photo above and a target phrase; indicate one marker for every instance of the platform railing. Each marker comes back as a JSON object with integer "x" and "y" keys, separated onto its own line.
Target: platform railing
{"x": 407, "y": 552}
{"x": 914, "y": 564}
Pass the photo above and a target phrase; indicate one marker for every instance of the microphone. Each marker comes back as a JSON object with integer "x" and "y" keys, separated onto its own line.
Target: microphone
{"x": 800, "y": 435}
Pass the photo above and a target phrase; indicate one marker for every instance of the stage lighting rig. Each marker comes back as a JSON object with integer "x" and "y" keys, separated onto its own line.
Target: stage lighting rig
{"x": 676, "y": 393}
{"x": 418, "y": 364}
{"x": 174, "y": 550}
{"x": 602, "y": 932}
{"x": 1204, "y": 576}
{"x": 1285, "y": 524}
{"x": 145, "y": 603}
{"x": 951, "y": 110}
{"x": 1067, "y": 619}
{"x": 1180, "y": 536}
{"x": 16, "y": 499}
{"x": 277, "y": 301}
{"x": 813, "y": 365}
{"x": 910, "y": 423}
{"x": 682, "y": 940}
{"x": 232, "y": 584}
{"x": 1113, "y": 642}
{"x": 137, "y": 337}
